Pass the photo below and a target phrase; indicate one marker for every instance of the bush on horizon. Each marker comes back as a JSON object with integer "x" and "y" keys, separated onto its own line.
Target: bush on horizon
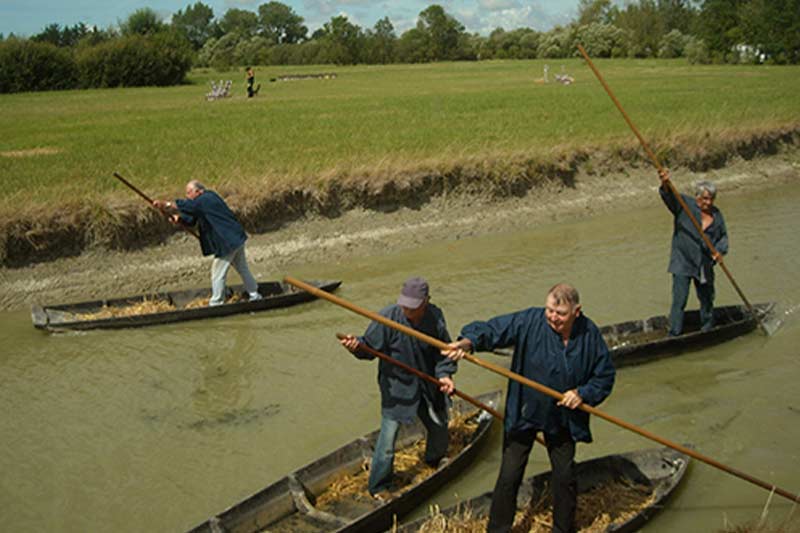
{"x": 30, "y": 66}
{"x": 133, "y": 61}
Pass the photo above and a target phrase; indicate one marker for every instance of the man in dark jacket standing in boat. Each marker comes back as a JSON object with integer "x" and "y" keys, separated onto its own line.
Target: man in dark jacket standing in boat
{"x": 690, "y": 259}
{"x": 559, "y": 347}
{"x": 221, "y": 234}
{"x": 404, "y": 396}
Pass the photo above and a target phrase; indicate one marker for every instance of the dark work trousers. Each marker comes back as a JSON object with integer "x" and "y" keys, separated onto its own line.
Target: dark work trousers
{"x": 516, "y": 450}
{"x": 680, "y": 293}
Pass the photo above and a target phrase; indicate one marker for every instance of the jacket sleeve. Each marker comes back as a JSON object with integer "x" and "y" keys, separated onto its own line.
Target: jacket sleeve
{"x": 601, "y": 379}
{"x": 497, "y": 332}
{"x": 188, "y": 210}
{"x": 376, "y": 337}
{"x": 721, "y": 243}
{"x": 444, "y": 367}
{"x": 669, "y": 200}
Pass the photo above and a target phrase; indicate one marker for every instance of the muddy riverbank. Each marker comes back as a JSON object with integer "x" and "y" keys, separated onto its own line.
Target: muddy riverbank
{"x": 359, "y": 231}
{"x": 31, "y": 233}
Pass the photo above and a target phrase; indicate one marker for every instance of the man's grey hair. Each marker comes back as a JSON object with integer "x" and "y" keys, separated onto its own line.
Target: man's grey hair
{"x": 565, "y": 294}
{"x": 705, "y": 185}
{"x": 196, "y": 185}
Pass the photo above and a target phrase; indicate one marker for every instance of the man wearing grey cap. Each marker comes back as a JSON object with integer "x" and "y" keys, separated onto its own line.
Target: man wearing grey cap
{"x": 404, "y": 396}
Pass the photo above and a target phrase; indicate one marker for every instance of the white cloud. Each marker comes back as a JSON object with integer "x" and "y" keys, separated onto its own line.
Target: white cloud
{"x": 241, "y": 4}
{"x": 483, "y": 21}
{"x": 497, "y": 5}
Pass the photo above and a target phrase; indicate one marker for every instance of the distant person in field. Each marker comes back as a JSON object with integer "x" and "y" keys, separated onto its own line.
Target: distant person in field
{"x": 690, "y": 259}
{"x": 251, "y": 80}
{"x": 221, "y": 234}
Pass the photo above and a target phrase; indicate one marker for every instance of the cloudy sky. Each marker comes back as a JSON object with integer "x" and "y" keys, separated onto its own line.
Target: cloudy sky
{"x": 28, "y": 17}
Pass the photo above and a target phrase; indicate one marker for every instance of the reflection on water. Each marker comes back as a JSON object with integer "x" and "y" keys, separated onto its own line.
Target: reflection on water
{"x": 156, "y": 429}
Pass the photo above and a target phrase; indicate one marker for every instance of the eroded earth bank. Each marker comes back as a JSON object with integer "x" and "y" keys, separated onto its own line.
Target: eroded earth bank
{"x": 318, "y": 238}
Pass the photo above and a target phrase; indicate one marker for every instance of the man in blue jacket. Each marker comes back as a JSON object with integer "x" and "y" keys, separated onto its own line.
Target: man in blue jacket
{"x": 561, "y": 348}
{"x": 221, "y": 234}
{"x": 405, "y": 396}
{"x": 690, "y": 259}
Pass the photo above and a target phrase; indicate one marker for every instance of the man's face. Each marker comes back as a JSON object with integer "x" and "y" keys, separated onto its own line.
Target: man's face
{"x": 705, "y": 201}
{"x": 191, "y": 192}
{"x": 561, "y": 316}
{"x": 415, "y": 315}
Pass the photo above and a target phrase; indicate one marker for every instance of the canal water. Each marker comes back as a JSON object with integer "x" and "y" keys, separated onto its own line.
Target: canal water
{"x": 156, "y": 429}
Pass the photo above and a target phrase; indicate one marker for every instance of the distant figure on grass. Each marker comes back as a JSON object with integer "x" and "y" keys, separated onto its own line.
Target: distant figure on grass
{"x": 251, "y": 79}
{"x": 404, "y": 396}
{"x": 221, "y": 234}
{"x": 560, "y": 348}
{"x": 690, "y": 259}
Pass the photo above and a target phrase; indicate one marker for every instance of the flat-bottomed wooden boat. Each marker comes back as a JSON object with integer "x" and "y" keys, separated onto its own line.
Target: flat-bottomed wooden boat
{"x": 167, "y": 307}
{"x": 290, "y": 504}
{"x": 658, "y": 469}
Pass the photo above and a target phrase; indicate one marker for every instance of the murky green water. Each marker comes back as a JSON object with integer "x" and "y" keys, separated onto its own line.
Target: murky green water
{"x": 156, "y": 429}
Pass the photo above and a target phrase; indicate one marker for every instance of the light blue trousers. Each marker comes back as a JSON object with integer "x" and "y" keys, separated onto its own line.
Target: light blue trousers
{"x": 219, "y": 272}
{"x": 382, "y": 467}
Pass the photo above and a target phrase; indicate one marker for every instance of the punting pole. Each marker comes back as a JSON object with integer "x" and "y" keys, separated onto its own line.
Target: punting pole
{"x": 147, "y": 199}
{"x": 436, "y": 343}
{"x": 674, "y": 191}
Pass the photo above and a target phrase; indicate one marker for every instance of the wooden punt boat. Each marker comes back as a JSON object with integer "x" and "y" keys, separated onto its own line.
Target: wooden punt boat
{"x": 641, "y": 341}
{"x": 290, "y": 504}
{"x": 168, "y": 307}
{"x": 658, "y": 469}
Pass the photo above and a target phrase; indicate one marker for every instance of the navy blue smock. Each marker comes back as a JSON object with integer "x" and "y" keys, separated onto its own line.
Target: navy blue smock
{"x": 220, "y": 231}
{"x": 690, "y": 256}
{"x": 401, "y": 391}
{"x": 540, "y": 355}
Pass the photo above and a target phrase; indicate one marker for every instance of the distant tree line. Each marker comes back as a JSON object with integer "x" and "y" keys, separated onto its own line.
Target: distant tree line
{"x": 147, "y": 51}
{"x": 143, "y": 52}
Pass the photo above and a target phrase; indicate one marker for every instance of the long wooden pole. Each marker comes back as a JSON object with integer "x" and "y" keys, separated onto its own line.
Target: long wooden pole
{"x": 674, "y": 190}
{"x": 538, "y": 386}
{"x": 147, "y": 199}
{"x": 425, "y": 377}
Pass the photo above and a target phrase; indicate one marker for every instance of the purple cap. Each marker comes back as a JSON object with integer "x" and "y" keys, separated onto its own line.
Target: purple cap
{"x": 414, "y": 293}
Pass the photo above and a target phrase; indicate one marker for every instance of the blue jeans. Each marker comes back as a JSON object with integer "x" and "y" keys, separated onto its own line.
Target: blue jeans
{"x": 382, "y": 467}
{"x": 680, "y": 293}
{"x": 219, "y": 272}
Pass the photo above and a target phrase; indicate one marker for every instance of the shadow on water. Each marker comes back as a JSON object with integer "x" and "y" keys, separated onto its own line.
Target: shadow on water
{"x": 231, "y": 418}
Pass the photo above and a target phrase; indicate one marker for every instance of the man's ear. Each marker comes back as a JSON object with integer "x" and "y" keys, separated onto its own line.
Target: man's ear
{"x": 578, "y": 310}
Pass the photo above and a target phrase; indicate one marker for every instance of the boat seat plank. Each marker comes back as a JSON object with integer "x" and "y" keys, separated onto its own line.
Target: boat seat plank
{"x": 304, "y": 505}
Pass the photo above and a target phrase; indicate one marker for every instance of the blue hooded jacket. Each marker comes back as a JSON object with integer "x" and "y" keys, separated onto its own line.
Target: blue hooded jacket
{"x": 220, "y": 231}
{"x": 540, "y": 355}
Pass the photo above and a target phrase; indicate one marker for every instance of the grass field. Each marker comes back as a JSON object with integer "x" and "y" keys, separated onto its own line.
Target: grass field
{"x": 369, "y": 121}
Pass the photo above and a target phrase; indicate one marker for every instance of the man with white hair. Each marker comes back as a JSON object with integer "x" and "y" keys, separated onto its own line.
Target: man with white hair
{"x": 690, "y": 259}
{"x": 221, "y": 234}
{"x": 559, "y": 347}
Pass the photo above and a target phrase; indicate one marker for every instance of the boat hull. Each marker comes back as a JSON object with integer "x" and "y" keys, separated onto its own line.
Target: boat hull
{"x": 288, "y": 504}
{"x": 67, "y": 317}
{"x": 661, "y": 469}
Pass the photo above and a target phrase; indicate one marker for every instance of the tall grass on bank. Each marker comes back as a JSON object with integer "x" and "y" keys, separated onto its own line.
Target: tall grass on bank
{"x": 369, "y": 121}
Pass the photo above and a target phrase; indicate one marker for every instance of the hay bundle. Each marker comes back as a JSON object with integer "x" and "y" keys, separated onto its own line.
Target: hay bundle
{"x": 409, "y": 466}
{"x": 147, "y": 307}
{"x": 141, "y": 308}
{"x": 203, "y": 302}
{"x": 615, "y": 502}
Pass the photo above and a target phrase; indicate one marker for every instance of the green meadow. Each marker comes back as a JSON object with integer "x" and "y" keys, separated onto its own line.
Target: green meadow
{"x": 368, "y": 121}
